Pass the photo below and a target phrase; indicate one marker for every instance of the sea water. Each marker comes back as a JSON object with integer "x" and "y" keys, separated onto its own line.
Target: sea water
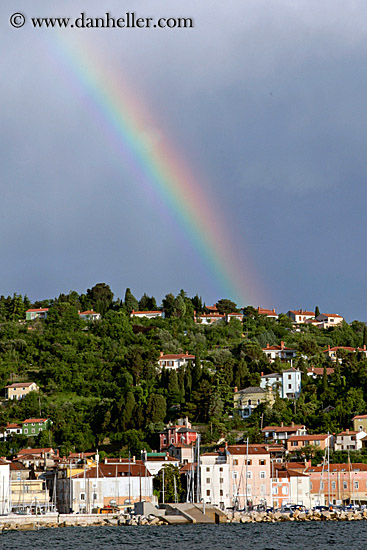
{"x": 265, "y": 536}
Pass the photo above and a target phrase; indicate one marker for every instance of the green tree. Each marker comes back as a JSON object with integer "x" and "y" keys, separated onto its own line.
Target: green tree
{"x": 226, "y": 306}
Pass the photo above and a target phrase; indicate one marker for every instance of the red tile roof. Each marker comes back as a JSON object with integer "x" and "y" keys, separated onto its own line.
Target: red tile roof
{"x": 34, "y": 420}
{"x": 34, "y": 451}
{"x": 302, "y": 312}
{"x": 37, "y": 309}
{"x": 252, "y": 449}
{"x": 177, "y": 356}
{"x": 359, "y": 416}
{"x": 153, "y": 311}
{"x": 20, "y": 384}
{"x": 262, "y": 311}
{"x": 285, "y": 429}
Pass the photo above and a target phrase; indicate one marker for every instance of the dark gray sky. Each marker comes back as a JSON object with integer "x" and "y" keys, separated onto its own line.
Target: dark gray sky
{"x": 266, "y": 102}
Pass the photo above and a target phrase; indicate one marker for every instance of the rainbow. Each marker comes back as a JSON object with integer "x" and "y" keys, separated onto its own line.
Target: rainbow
{"x": 157, "y": 167}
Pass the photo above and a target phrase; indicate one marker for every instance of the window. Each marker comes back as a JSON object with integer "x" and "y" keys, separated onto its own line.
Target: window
{"x": 208, "y": 492}
{"x": 284, "y": 490}
{"x": 249, "y": 475}
{"x": 221, "y": 480}
{"x": 289, "y": 386}
{"x": 95, "y": 496}
{"x": 275, "y": 490}
{"x": 221, "y": 492}
{"x": 221, "y": 469}
{"x": 249, "y": 462}
{"x": 289, "y": 377}
{"x": 25, "y": 430}
{"x": 234, "y": 475}
{"x": 249, "y": 489}
{"x": 333, "y": 485}
{"x": 82, "y": 496}
{"x": 356, "y": 484}
{"x": 345, "y": 485}
{"x": 310, "y": 486}
{"x": 262, "y": 475}
{"x": 294, "y": 443}
{"x": 208, "y": 480}
{"x": 235, "y": 462}
{"x": 33, "y": 430}
{"x": 262, "y": 462}
{"x": 208, "y": 469}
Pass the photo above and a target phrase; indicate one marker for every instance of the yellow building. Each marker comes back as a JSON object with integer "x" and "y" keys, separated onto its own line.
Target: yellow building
{"x": 19, "y": 390}
{"x": 360, "y": 423}
{"x": 245, "y": 401}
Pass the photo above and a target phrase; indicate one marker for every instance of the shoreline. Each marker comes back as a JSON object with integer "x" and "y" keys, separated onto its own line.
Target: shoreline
{"x": 34, "y": 523}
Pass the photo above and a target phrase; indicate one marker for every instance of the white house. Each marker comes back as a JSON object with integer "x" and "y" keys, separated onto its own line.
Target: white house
{"x": 154, "y": 462}
{"x": 230, "y": 316}
{"x": 349, "y": 440}
{"x": 267, "y": 313}
{"x": 281, "y": 352}
{"x": 208, "y": 318}
{"x": 300, "y": 315}
{"x": 147, "y": 314}
{"x": 10, "y": 429}
{"x": 287, "y": 383}
{"x": 89, "y": 315}
{"x": 327, "y": 320}
{"x": 174, "y": 361}
{"x": 215, "y": 479}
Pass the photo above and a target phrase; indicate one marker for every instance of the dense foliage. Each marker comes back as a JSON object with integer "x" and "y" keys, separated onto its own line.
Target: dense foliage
{"x": 100, "y": 383}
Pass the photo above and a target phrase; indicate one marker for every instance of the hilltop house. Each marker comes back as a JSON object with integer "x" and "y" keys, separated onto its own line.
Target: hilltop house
{"x": 287, "y": 383}
{"x": 327, "y": 320}
{"x": 349, "y": 440}
{"x": 300, "y": 315}
{"x": 89, "y": 315}
{"x": 39, "y": 313}
{"x": 297, "y": 442}
{"x": 279, "y": 352}
{"x": 267, "y": 313}
{"x": 19, "y": 390}
{"x": 246, "y": 400}
{"x": 208, "y": 318}
{"x": 33, "y": 426}
{"x": 280, "y": 434}
{"x": 177, "y": 433}
{"x": 147, "y": 314}
{"x": 174, "y": 361}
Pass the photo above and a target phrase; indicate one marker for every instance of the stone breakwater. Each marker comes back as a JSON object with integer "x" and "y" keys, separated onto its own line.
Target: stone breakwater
{"x": 25, "y": 523}
{"x": 272, "y": 517}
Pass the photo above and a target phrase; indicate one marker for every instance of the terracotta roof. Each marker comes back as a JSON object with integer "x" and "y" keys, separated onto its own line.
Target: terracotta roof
{"x": 110, "y": 470}
{"x": 331, "y": 315}
{"x": 177, "y": 356}
{"x": 262, "y": 311}
{"x": 301, "y": 312}
{"x": 34, "y": 451}
{"x": 335, "y": 348}
{"x": 359, "y": 416}
{"x": 35, "y": 420}
{"x": 211, "y": 315}
{"x": 349, "y": 432}
{"x": 277, "y": 348}
{"x": 160, "y": 459}
{"x": 9, "y": 426}
{"x": 37, "y": 309}
{"x": 320, "y": 371}
{"x": 152, "y": 311}
{"x": 286, "y": 429}
{"x": 17, "y": 466}
{"x": 91, "y": 312}
{"x": 252, "y": 449}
